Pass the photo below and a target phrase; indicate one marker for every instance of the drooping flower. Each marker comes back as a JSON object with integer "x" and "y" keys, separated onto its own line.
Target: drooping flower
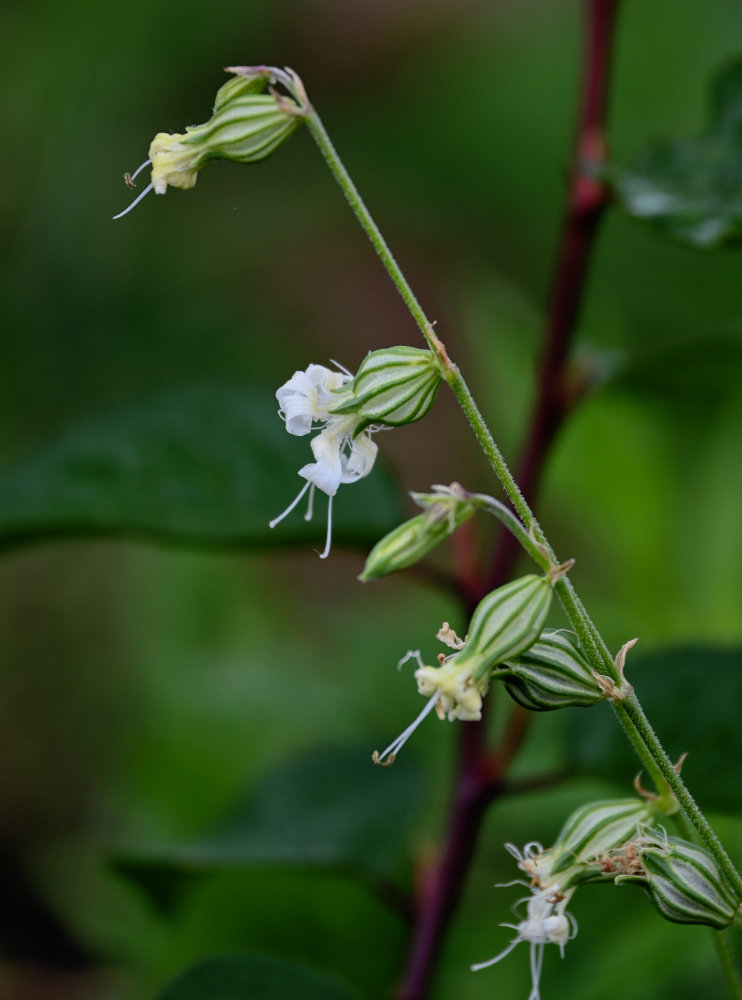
{"x": 249, "y": 121}
{"x": 393, "y": 386}
{"x": 546, "y": 922}
{"x": 506, "y": 622}
{"x": 342, "y": 455}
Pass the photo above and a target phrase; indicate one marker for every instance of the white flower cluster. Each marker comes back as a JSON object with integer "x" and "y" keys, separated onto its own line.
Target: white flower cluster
{"x": 341, "y": 456}
{"x": 546, "y": 922}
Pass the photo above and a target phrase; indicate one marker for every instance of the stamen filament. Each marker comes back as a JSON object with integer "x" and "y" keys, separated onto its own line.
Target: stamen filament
{"x": 135, "y": 202}
{"x": 294, "y": 502}
{"x": 326, "y": 551}
{"x": 310, "y": 505}
{"x": 396, "y": 745}
{"x": 497, "y": 958}
{"x": 139, "y": 169}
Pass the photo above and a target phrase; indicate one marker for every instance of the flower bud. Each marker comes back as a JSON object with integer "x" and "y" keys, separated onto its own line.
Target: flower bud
{"x": 393, "y": 386}
{"x": 552, "y": 673}
{"x": 445, "y": 510}
{"x": 682, "y": 879}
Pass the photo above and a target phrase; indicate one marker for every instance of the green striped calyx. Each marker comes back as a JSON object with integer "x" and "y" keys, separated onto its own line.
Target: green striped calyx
{"x": 552, "y": 673}
{"x": 250, "y": 120}
{"x": 393, "y": 386}
{"x": 584, "y": 843}
{"x": 444, "y": 510}
{"x": 682, "y": 879}
{"x": 504, "y": 623}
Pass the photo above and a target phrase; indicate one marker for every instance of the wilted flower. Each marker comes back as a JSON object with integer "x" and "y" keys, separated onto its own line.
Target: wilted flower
{"x": 506, "y": 622}
{"x": 249, "y": 121}
{"x": 546, "y": 923}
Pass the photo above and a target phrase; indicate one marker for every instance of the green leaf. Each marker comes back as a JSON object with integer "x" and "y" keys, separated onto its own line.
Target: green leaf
{"x": 690, "y": 190}
{"x": 247, "y": 977}
{"x": 205, "y": 464}
{"x": 700, "y": 372}
{"x": 691, "y": 696}
{"x": 329, "y": 809}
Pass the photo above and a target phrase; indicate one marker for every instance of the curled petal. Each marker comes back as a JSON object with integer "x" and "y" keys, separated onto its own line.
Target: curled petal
{"x": 361, "y": 459}
{"x": 304, "y": 400}
{"x": 327, "y": 472}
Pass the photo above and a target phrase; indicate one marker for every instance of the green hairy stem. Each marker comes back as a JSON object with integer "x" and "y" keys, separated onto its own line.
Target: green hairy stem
{"x": 628, "y": 710}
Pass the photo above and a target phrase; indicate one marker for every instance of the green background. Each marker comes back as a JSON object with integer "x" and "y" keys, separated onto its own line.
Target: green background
{"x": 147, "y": 685}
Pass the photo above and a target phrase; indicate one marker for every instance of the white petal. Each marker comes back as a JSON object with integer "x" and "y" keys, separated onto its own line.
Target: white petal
{"x": 361, "y": 459}
{"x": 304, "y": 400}
{"x": 326, "y": 473}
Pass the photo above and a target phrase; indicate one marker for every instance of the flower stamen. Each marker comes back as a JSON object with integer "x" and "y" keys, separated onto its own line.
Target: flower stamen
{"x": 328, "y": 540}
{"x": 396, "y": 745}
{"x": 294, "y": 502}
{"x": 137, "y": 199}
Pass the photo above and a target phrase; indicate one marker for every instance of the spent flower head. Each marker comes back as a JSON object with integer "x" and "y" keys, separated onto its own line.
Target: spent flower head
{"x": 682, "y": 879}
{"x": 504, "y": 623}
{"x": 249, "y": 121}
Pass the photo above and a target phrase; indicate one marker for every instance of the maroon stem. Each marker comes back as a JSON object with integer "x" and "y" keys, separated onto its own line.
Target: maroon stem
{"x": 559, "y": 389}
{"x": 480, "y": 775}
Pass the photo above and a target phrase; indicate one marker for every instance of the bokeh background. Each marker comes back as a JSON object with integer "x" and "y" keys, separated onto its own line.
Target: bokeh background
{"x": 147, "y": 685}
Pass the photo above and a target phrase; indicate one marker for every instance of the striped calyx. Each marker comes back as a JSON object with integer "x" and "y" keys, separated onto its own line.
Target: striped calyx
{"x": 552, "y": 673}
{"x": 248, "y": 123}
{"x": 505, "y": 623}
{"x": 585, "y": 842}
{"x": 444, "y": 510}
{"x": 393, "y": 386}
{"x": 683, "y": 881}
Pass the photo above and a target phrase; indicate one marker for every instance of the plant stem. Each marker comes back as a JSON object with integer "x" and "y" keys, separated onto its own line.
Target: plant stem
{"x": 341, "y": 175}
{"x": 634, "y": 713}
{"x": 728, "y": 966}
{"x": 473, "y": 791}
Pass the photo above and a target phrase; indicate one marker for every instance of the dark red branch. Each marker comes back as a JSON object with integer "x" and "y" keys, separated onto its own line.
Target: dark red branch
{"x": 560, "y": 389}
{"x": 480, "y": 775}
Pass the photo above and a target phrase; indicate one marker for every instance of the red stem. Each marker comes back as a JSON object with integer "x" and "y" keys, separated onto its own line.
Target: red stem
{"x": 480, "y": 775}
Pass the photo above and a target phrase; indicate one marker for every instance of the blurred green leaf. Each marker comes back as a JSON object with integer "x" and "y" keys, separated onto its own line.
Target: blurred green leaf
{"x": 692, "y": 696}
{"x": 245, "y": 977}
{"x": 205, "y": 463}
{"x": 701, "y": 371}
{"x": 329, "y": 809}
{"x": 690, "y": 190}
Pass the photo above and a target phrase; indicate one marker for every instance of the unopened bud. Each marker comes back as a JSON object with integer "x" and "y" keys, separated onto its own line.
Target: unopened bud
{"x": 552, "y": 673}
{"x": 683, "y": 881}
{"x": 393, "y": 386}
{"x": 445, "y": 510}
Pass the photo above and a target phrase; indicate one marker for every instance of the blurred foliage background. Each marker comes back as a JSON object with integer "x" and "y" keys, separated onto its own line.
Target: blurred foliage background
{"x": 148, "y": 684}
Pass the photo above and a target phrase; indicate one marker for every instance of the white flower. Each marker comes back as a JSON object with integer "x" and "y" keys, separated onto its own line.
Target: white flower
{"x": 450, "y": 692}
{"x": 305, "y": 399}
{"x": 546, "y": 923}
{"x": 341, "y": 455}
